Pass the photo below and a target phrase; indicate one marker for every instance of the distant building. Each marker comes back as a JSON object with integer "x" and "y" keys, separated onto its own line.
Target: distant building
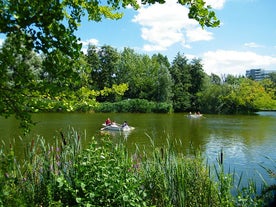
{"x": 258, "y": 74}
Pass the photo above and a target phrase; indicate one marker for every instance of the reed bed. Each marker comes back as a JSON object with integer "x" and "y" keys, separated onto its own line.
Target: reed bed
{"x": 106, "y": 174}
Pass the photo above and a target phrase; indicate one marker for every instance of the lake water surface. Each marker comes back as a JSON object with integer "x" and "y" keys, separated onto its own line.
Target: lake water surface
{"x": 246, "y": 141}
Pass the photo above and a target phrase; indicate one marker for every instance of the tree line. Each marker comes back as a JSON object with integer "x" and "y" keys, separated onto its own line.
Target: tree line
{"x": 183, "y": 83}
{"x": 106, "y": 78}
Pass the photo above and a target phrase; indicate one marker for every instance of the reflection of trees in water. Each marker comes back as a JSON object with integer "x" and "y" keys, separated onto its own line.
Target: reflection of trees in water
{"x": 250, "y": 130}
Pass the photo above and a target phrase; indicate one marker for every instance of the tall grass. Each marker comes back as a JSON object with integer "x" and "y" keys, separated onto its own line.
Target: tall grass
{"x": 105, "y": 174}
{"x": 64, "y": 174}
{"x": 33, "y": 180}
{"x": 172, "y": 179}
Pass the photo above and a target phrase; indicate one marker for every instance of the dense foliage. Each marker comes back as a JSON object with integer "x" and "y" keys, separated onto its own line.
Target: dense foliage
{"x": 106, "y": 174}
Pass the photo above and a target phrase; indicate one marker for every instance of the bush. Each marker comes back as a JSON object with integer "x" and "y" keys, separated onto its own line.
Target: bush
{"x": 134, "y": 106}
{"x": 105, "y": 107}
{"x": 163, "y": 108}
{"x": 66, "y": 175}
{"x": 104, "y": 178}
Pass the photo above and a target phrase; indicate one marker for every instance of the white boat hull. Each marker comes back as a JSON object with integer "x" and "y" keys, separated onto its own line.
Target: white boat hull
{"x": 194, "y": 116}
{"x": 115, "y": 127}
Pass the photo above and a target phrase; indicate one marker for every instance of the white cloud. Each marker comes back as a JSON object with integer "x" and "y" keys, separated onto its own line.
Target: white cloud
{"x": 252, "y": 45}
{"x": 215, "y": 4}
{"x": 190, "y": 56}
{"x": 198, "y": 34}
{"x": 1, "y": 42}
{"x": 88, "y": 42}
{"x": 235, "y": 62}
{"x": 166, "y": 24}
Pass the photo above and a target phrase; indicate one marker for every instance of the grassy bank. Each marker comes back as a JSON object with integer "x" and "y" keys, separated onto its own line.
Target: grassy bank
{"x": 105, "y": 174}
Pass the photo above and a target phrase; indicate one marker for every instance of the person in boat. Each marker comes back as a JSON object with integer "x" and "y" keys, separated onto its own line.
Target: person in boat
{"x": 108, "y": 122}
{"x": 124, "y": 124}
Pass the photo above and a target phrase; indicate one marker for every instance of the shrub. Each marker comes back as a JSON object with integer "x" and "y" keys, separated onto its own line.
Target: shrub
{"x": 104, "y": 178}
{"x": 65, "y": 175}
{"x": 163, "y": 108}
{"x": 134, "y": 106}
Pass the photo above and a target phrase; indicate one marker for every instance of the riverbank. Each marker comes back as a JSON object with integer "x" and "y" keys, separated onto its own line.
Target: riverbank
{"x": 105, "y": 174}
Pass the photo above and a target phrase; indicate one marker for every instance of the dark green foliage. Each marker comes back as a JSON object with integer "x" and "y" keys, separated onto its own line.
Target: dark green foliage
{"x": 180, "y": 72}
{"x": 215, "y": 79}
{"x": 103, "y": 62}
{"x": 211, "y": 99}
{"x": 134, "y": 106}
{"x": 163, "y": 92}
{"x": 20, "y": 69}
{"x": 197, "y": 78}
{"x": 162, "y": 108}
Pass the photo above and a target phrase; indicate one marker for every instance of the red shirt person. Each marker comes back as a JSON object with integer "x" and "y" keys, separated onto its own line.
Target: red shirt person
{"x": 108, "y": 122}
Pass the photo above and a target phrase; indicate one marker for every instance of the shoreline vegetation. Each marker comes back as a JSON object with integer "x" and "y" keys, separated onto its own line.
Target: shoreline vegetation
{"x": 106, "y": 174}
{"x": 135, "y": 105}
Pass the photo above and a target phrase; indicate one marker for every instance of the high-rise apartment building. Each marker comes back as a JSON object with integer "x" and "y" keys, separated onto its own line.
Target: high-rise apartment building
{"x": 258, "y": 74}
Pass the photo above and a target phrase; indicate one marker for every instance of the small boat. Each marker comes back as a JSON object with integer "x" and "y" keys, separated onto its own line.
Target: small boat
{"x": 117, "y": 127}
{"x": 194, "y": 116}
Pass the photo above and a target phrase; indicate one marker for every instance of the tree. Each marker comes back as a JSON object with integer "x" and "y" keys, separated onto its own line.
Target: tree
{"x": 129, "y": 71}
{"x": 93, "y": 60}
{"x": 272, "y": 77}
{"x": 215, "y": 79}
{"x": 164, "y": 81}
{"x": 247, "y": 97}
{"x": 109, "y": 58}
{"x": 105, "y": 74}
{"x": 49, "y": 27}
{"x": 103, "y": 62}
{"x": 180, "y": 72}
{"x": 139, "y": 73}
{"x": 211, "y": 99}
{"x": 269, "y": 86}
{"x": 17, "y": 66}
{"x": 197, "y": 81}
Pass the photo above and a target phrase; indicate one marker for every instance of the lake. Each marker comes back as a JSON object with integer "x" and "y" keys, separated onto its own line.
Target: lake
{"x": 247, "y": 141}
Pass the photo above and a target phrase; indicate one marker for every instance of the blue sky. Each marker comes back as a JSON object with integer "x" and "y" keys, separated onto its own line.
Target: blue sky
{"x": 246, "y": 38}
